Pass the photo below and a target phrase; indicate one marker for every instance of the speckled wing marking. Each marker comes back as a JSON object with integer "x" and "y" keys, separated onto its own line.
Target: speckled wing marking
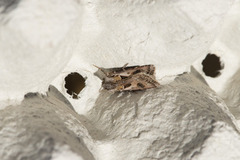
{"x": 124, "y": 72}
{"x": 140, "y": 81}
{"x": 130, "y": 78}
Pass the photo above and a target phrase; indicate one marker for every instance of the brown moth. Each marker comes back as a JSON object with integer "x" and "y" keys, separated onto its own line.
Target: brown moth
{"x": 130, "y": 78}
{"x": 124, "y": 72}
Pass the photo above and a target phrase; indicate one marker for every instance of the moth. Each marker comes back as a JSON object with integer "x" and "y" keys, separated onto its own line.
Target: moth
{"x": 131, "y": 78}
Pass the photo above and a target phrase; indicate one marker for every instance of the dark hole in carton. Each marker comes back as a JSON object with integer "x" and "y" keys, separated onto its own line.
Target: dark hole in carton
{"x": 74, "y": 83}
{"x": 212, "y": 65}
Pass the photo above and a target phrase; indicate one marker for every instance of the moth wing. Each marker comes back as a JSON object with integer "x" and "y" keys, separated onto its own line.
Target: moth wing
{"x": 138, "y": 82}
{"x": 128, "y": 71}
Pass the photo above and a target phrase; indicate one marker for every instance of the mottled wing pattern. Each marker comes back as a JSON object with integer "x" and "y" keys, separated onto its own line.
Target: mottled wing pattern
{"x": 140, "y": 81}
{"x": 130, "y": 78}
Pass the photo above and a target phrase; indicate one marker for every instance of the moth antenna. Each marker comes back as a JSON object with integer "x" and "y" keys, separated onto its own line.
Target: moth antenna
{"x": 96, "y": 66}
{"x": 101, "y": 69}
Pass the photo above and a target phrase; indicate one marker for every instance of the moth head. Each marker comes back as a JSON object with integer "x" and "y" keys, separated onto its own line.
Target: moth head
{"x": 101, "y": 73}
{"x": 109, "y": 85}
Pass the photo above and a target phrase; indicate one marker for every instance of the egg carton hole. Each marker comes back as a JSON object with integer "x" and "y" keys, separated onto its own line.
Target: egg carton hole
{"x": 74, "y": 84}
{"x": 212, "y": 65}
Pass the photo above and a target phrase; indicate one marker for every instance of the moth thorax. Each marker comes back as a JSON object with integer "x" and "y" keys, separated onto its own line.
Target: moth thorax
{"x": 117, "y": 78}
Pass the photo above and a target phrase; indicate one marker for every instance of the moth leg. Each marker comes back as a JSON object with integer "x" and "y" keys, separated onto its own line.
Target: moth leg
{"x": 124, "y": 66}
